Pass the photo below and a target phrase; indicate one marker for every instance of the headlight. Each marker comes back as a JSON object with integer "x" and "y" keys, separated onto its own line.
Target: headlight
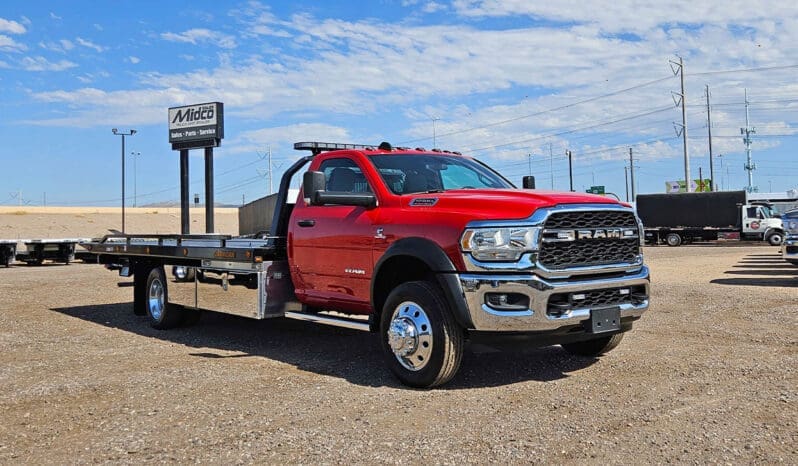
{"x": 499, "y": 244}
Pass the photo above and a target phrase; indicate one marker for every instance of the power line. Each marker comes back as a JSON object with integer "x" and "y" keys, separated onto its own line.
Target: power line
{"x": 561, "y": 133}
{"x": 543, "y": 112}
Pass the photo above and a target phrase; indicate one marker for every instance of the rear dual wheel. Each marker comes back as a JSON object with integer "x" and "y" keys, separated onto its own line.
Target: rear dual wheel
{"x": 161, "y": 314}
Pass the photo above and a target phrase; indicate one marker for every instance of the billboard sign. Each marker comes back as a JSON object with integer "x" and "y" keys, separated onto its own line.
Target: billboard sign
{"x": 195, "y": 126}
{"x": 696, "y": 186}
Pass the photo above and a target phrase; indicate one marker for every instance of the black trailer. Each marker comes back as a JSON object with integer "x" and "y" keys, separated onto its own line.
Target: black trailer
{"x": 39, "y": 250}
{"x": 8, "y": 251}
{"x": 673, "y": 218}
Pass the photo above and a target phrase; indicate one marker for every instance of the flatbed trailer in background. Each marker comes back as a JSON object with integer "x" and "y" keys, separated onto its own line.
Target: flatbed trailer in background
{"x": 39, "y": 250}
{"x": 8, "y": 251}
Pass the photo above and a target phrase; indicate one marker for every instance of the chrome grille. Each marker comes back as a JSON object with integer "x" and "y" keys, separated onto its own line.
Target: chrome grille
{"x": 592, "y": 251}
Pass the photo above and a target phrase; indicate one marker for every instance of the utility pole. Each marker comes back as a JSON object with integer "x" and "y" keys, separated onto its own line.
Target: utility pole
{"x": 700, "y": 180}
{"x": 632, "y": 172}
{"x": 679, "y": 68}
{"x": 269, "y": 152}
{"x": 570, "y": 170}
{"x": 747, "y": 132}
{"x": 626, "y": 180}
{"x": 709, "y": 133}
{"x": 551, "y": 166}
{"x": 530, "y": 164}
{"x": 720, "y": 157}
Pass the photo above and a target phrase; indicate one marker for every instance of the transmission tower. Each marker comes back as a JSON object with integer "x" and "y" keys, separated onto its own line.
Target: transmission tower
{"x": 750, "y": 166}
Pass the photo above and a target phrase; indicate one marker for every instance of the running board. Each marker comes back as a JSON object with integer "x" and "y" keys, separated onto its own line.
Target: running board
{"x": 329, "y": 320}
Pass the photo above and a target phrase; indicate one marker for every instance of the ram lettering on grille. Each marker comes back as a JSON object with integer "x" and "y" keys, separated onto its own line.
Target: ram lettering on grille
{"x": 590, "y": 238}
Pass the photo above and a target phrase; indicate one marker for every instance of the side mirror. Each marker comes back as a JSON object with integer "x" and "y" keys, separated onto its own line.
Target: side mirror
{"x": 529, "y": 182}
{"x": 312, "y": 183}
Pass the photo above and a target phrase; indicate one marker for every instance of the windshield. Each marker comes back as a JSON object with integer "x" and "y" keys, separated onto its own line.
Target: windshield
{"x": 418, "y": 173}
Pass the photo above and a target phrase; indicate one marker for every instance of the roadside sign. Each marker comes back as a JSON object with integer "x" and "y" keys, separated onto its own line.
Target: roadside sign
{"x": 595, "y": 190}
{"x": 696, "y": 186}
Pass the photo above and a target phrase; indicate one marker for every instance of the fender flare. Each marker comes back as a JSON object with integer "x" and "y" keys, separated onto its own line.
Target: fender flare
{"x": 433, "y": 256}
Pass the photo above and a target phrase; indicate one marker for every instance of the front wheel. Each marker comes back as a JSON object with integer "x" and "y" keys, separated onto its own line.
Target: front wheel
{"x": 775, "y": 238}
{"x": 594, "y": 347}
{"x": 421, "y": 341}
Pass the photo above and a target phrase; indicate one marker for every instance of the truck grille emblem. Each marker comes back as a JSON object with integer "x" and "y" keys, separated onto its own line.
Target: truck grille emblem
{"x": 556, "y": 236}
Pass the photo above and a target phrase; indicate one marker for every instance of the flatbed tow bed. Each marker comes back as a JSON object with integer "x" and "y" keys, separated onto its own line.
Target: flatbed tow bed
{"x": 245, "y": 276}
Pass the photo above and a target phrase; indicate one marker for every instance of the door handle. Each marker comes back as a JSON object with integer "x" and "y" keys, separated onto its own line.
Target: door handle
{"x": 306, "y": 223}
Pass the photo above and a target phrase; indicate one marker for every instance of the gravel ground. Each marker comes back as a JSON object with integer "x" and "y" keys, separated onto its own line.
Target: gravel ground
{"x": 707, "y": 376}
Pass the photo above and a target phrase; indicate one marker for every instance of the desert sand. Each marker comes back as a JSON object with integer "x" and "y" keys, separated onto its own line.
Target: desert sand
{"x": 91, "y": 222}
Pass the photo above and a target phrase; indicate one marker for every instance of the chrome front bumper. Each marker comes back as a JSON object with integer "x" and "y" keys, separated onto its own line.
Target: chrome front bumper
{"x": 538, "y": 291}
{"x": 789, "y": 248}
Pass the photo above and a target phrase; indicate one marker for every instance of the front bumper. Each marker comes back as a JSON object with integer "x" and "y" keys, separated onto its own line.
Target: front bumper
{"x": 543, "y": 307}
{"x": 789, "y": 248}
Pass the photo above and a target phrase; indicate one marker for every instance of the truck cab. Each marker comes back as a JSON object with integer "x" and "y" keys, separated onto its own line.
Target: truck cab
{"x": 761, "y": 222}
{"x": 436, "y": 247}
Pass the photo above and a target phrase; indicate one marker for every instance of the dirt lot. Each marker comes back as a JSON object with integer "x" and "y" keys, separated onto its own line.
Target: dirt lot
{"x": 708, "y": 375}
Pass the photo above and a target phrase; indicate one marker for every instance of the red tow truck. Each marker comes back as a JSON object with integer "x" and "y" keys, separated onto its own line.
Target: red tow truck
{"x": 427, "y": 248}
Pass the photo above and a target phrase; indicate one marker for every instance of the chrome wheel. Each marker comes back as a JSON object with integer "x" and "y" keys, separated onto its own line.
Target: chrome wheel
{"x": 155, "y": 299}
{"x": 410, "y": 336}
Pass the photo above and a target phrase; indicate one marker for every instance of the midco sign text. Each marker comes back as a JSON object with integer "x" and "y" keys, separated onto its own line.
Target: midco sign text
{"x": 195, "y": 126}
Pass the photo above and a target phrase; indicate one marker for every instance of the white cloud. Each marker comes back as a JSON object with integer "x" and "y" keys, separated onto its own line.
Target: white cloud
{"x": 134, "y": 60}
{"x": 201, "y": 36}
{"x": 98, "y": 27}
{"x": 253, "y": 141}
{"x": 55, "y": 16}
{"x": 11, "y": 26}
{"x": 7, "y": 44}
{"x": 90, "y": 44}
{"x": 62, "y": 46}
{"x": 40, "y": 63}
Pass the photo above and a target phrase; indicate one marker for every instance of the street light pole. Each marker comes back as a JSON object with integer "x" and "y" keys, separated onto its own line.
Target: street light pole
{"x": 135, "y": 155}
{"x": 123, "y": 134}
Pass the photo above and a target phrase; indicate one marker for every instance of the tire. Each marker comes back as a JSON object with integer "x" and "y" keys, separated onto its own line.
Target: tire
{"x": 594, "y": 347}
{"x": 673, "y": 239}
{"x": 775, "y": 238}
{"x": 183, "y": 273}
{"x": 162, "y": 316}
{"x": 421, "y": 341}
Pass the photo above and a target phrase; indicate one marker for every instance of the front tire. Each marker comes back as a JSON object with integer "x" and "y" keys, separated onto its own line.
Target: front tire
{"x": 775, "y": 238}
{"x": 421, "y": 341}
{"x": 162, "y": 316}
{"x": 594, "y": 347}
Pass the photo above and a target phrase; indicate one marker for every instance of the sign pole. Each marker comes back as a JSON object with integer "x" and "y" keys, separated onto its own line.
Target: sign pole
{"x": 209, "y": 190}
{"x": 184, "y": 217}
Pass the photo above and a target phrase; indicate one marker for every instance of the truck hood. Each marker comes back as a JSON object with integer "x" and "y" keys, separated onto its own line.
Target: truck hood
{"x": 496, "y": 204}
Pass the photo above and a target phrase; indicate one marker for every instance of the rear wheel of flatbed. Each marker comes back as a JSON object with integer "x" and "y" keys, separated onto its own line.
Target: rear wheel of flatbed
{"x": 421, "y": 341}
{"x": 162, "y": 316}
{"x": 673, "y": 239}
{"x": 594, "y": 347}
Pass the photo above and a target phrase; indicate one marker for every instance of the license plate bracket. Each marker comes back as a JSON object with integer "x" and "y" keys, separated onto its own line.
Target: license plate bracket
{"x": 603, "y": 320}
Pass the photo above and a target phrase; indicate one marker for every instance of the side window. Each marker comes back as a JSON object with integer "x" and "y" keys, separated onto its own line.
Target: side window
{"x": 343, "y": 175}
{"x": 751, "y": 212}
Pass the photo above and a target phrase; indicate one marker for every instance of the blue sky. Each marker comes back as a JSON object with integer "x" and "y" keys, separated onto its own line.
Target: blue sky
{"x": 498, "y": 80}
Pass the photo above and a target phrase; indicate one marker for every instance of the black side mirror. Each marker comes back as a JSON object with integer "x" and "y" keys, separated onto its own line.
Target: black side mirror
{"x": 529, "y": 182}
{"x": 312, "y": 183}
